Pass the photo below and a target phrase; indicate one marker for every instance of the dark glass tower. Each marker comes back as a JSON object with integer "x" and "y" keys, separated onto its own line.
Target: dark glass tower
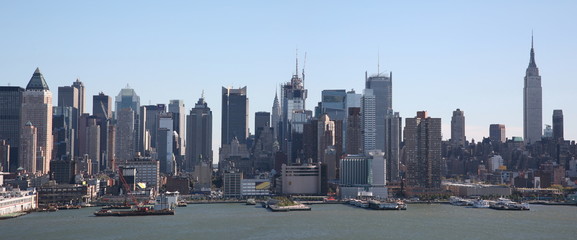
{"x": 234, "y": 115}
{"x": 198, "y": 135}
{"x": 10, "y": 104}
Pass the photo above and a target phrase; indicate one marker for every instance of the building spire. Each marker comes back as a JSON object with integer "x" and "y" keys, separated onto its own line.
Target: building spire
{"x": 297, "y": 63}
{"x": 532, "y": 63}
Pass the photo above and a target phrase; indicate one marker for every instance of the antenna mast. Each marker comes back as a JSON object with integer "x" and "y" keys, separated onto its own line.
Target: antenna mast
{"x": 304, "y": 65}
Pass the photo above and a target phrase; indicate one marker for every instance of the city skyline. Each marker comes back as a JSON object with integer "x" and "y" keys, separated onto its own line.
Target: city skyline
{"x": 477, "y": 65}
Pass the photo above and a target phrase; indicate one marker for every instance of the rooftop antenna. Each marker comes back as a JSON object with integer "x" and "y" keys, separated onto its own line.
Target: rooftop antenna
{"x": 202, "y": 94}
{"x": 304, "y": 65}
{"x": 378, "y": 61}
{"x": 297, "y": 62}
{"x": 531, "y": 38}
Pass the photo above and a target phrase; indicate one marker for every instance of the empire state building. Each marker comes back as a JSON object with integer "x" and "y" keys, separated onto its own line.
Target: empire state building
{"x": 532, "y": 102}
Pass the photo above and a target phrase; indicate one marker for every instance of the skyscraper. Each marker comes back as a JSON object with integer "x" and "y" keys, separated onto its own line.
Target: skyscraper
{"x": 458, "y": 128}
{"x": 68, "y": 97}
{"x": 325, "y": 136}
{"x": 275, "y": 117}
{"x": 28, "y": 148}
{"x": 393, "y": 124}
{"x": 532, "y": 102}
{"x": 149, "y": 126}
{"x": 81, "y": 97}
{"x": 369, "y": 121}
{"x": 234, "y": 115}
{"x": 198, "y": 135}
{"x": 334, "y": 103}
{"x": 176, "y": 107}
{"x": 558, "y": 124}
{"x": 125, "y": 134}
{"x": 261, "y": 121}
{"x": 164, "y": 143}
{"x": 423, "y": 153}
{"x": 382, "y": 90}
{"x": 10, "y": 105}
{"x": 64, "y": 134}
{"x": 102, "y": 110}
{"x": 294, "y": 115}
{"x": 353, "y": 100}
{"x": 127, "y": 98}
{"x": 353, "y": 139}
{"x": 37, "y": 109}
{"x": 497, "y": 133}
{"x": 102, "y": 106}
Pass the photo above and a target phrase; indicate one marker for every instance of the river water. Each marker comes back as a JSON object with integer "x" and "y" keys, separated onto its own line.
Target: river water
{"x": 335, "y": 221}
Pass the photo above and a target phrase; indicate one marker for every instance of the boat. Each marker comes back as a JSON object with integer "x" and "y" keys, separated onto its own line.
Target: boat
{"x": 182, "y": 204}
{"x": 117, "y": 207}
{"x": 506, "y": 204}
{"x": 480, "y": 203}
{"x": 250, "y": 201}
{"x": 143, "y": 211}
{"x": 457, "y": 201}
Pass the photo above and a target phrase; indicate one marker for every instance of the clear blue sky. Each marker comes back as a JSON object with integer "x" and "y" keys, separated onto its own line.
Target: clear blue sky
{"x": 444, "y": 55}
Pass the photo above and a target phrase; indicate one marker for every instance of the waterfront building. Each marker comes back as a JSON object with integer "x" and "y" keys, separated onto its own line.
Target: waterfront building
{"x": 423, "y": 153}
{"x": 355, "y": 169}
{"x": 255, "y": 187}
{"x": 558, "y": 125}
{"x": 199, "y": 136}
{"x": 63, "y": 170}
{"x": 532, "y": 102}
{"x": 16, "y": 200}
{"x": 301, "y": 179}
{"x": 147, "y": 171}
{"x": 458, "y": 128}
{"x": 176, "y": 107}
{"x": 125, "y": 133}
{"x": 37, "y": 109}
{"x": 10, "y": 110}
{"x": 382, "y": 90}
{"x": 61, "y": 194}
{"x": 497, "y": 133}
{"x": 234, "y": 115}
{"x": 476, "y": 190}
{"x": 231, "y": 184}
